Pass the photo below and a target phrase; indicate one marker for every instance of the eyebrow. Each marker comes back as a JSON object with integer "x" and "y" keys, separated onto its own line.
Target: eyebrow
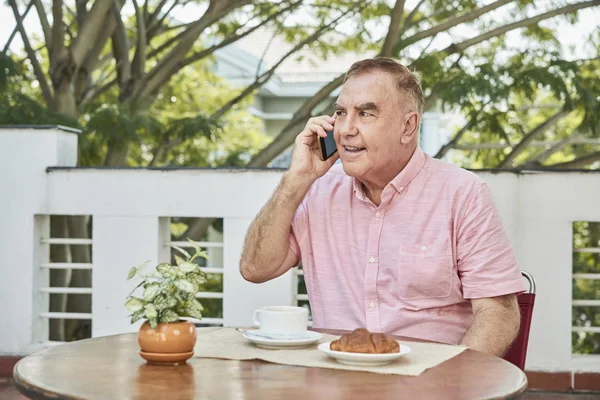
{"x": 367, "y": 106}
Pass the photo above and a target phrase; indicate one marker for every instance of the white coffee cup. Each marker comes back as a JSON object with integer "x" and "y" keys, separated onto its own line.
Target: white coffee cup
{"x": 281, "y": 320}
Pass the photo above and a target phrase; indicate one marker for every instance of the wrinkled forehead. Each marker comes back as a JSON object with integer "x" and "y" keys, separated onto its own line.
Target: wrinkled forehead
{"x": 375, "y": 87}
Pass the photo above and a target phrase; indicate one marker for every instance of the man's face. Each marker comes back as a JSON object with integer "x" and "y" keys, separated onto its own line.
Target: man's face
{"x": 371, "y": 117}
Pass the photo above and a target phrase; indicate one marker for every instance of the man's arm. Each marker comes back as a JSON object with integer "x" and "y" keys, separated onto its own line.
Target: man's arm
{"x": 496, "y": 322}
{"x": 266, "y": 253}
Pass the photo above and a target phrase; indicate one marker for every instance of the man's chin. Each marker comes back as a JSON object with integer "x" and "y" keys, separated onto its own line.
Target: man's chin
{"x": 352, "y": 169}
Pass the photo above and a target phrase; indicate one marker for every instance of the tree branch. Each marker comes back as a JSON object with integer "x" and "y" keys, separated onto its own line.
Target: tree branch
{"x": 37, "y": 69}
{"x": 120, "y": 45}
{"x": 154, "y": 14}
{"x": 91, "y": 59}
{"x": 16, "y": 29}
{"x": 234, "y": 38}
{"x": 408, "y": 21}
{"x": 90, "y": 30}
{"x": 288, "y": 133}
{"x": 519, "y": 148}
{"x": 448, "y": 146}
{"x": 169, "y": 65}
{"x": 540, "y": 157}
{"x": 92, "y": 96}
{"x": 260, "y": 80}
{"x": 154, "y": 29}
{"x": 393, "y": 32}
{"x": 139, "y": 59}
{"x": 449, "y": 23}
{"x": 166, "y": 44}
{"x": 458, "y": 47}
{"x": 41, "y": 11}
{"x": 81, "y": 7}
{"x": 58, "y": 31}
{"x": 146, "y": 14}
{"x": 577, "y": 163}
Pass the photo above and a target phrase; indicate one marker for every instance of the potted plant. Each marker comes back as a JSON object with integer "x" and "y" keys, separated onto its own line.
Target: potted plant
{"x": 165, "y": 297}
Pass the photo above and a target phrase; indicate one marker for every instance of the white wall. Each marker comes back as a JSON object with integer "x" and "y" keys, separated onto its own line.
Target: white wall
{"x": 24, "y": 155}
{"x": 127, "y": 207}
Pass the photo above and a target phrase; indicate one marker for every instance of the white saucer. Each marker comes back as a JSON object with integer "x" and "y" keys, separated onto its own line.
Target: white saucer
{"x": 281, "y": 341}
{"x": 363, "y": 359}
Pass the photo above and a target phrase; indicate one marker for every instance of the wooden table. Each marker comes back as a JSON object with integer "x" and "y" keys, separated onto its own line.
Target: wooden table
{"x": 110, "y": 368}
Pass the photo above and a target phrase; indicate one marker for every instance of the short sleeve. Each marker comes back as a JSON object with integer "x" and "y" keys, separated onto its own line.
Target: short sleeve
{"x": 487, "y": 265}
{"x": 299, "y": 227}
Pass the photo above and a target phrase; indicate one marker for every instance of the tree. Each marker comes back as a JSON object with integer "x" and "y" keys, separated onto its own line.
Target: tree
{"x": 108, "y": 71}
{"x": 447, "y": 71}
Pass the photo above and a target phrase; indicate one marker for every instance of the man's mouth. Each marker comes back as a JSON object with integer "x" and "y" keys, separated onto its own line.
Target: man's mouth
{"x": 352, "y": 149}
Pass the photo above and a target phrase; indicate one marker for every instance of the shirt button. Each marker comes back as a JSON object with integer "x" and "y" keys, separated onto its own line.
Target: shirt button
{"x": 378, "y": 214}
{"x": 372, "y": 304}
{"x": 424, "y": 248}
{"x": 372, "y": 259}
{"x": 400, "y": 188}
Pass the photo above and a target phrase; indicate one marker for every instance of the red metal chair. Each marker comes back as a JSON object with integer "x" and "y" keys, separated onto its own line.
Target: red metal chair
{"x": 517, "y": 353}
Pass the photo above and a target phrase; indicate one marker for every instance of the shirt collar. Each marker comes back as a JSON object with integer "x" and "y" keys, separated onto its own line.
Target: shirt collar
{"x": 410, "y": 171}
{"x": 400, "y": 181}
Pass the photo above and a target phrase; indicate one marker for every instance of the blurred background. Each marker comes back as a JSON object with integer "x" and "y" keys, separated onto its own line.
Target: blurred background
{"x": 509, "y": 85}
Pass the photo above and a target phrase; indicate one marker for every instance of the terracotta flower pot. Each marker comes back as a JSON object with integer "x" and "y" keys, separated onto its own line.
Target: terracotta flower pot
{"x": 171, "y": 343}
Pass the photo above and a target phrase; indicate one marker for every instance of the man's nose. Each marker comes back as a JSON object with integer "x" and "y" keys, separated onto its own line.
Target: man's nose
{"x": 345, "y": 127}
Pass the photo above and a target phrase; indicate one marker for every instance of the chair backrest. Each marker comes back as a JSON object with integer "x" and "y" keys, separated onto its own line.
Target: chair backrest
{"x": 517, "y": 353}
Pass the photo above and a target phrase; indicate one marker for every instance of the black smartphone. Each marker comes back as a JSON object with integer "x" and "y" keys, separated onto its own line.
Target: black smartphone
{"x": 327, "y": 145}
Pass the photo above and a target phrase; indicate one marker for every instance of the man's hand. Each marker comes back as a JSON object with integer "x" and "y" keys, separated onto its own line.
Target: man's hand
{"x": 306, "y": 162}
{"x": 496, "y": 322}
{"x": 266, "y": 254}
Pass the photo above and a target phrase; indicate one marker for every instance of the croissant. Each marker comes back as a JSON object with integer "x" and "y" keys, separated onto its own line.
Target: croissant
{"x": 363, "y": 341}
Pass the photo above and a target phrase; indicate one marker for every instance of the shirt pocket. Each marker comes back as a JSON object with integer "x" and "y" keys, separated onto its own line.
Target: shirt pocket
{"x": 424, "y": 271}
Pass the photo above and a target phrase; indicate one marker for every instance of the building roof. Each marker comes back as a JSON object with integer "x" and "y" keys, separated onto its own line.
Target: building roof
{"x": 304, "y": 66}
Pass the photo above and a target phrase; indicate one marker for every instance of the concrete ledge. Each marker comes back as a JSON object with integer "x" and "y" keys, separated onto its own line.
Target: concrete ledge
{"x": 563, "y": 381}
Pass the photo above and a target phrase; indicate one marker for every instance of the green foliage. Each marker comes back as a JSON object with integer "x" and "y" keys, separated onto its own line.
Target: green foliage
{"x": 17, "y": 106}
{"x": 169, "y": 292}
{"x": 586, "y": 235}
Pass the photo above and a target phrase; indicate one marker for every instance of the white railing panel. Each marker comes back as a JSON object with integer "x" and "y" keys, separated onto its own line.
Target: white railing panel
{"x": 66, "y": 265}
{"x": 119, "y": 244}
{"x": 65, "y": 315}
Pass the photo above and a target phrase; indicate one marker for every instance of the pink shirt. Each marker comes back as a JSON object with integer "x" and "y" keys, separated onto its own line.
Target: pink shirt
{"x": 409, "y": 266}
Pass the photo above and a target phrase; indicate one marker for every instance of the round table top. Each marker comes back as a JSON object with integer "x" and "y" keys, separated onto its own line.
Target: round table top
{"x": 110, "y": 368}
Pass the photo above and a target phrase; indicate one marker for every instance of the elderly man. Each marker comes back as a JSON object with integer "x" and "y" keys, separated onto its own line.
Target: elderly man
{"x": 390, "y": 240}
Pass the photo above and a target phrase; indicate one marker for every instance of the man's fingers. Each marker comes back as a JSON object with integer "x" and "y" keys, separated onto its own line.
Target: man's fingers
{"x": 318, "y": 129}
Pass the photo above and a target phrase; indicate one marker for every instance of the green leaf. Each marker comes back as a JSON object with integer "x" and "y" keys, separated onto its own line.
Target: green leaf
{"x": 179, "y": 260}
{"x": 194, "y": 309}
{"x": 186, "y": 286}
{"x": 131, "y": 273}
{"x": 150, "y": 311}
{"x": 182, "y": 251}
{"x": 187, "y": 267}
{"x": 162, "y": 302}
{"x": 137, "y": 316}
{"x": 168, "y": 315}
{"x": 151, "y": 291}
{"x": 197, "y": 278}
{"x": 136, "y": 286}
{"x": 198, "y": 251}
{"x": 153, "y": 323}
{"x": 165, "y": 269}
{"x": 133, "y": 305}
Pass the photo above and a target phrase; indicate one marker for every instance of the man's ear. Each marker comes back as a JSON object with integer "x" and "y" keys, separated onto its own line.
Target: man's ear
{"x": 410, "y": 127}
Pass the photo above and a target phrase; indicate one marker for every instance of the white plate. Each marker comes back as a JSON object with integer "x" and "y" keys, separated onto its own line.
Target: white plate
{"x": 298, "y": 341}
{"x": 363, "y": 359}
